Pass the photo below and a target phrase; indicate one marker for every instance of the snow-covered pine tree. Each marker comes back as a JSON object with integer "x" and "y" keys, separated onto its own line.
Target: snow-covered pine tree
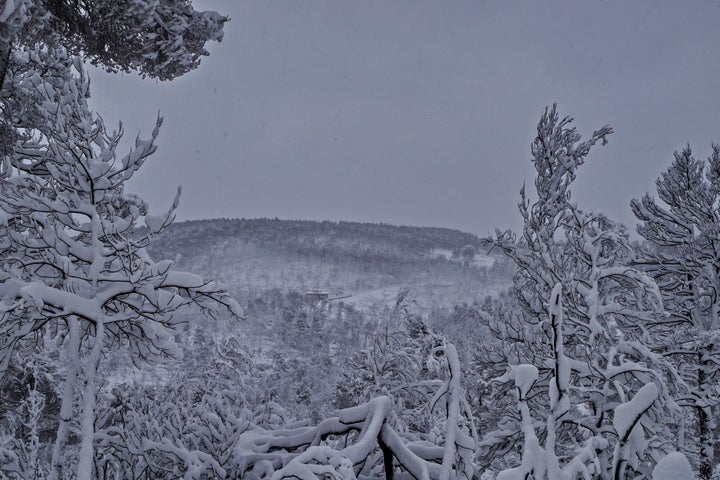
{"x": 72, "y": 263}
{"x": 162, "y": 39}
{"x": 66, "y": 223}
{"x": 682, "y": 254}
{"x": 611, "y": 311}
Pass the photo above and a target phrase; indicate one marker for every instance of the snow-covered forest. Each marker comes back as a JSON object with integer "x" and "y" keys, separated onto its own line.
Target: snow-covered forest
{"x": 135, "y": 348}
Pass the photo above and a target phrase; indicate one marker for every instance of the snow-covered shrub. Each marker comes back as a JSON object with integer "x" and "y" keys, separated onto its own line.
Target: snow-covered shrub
{"x": 368, "y": 440}
{"x": 28, "y": 409}
{"x": 161, "y": 432}
{"x": 393, "y": 363}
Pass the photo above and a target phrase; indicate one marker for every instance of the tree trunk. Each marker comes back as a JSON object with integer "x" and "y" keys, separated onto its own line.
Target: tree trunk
{"x": 5, "y": 50}
{"x": 9, "y": 28}
{"x": 66, "y": 408}
{"x": 85, "y": 463}
{"x": 387, "y": 459}
{"x": 6, "y": 128}
{"x": 704, "y": 431}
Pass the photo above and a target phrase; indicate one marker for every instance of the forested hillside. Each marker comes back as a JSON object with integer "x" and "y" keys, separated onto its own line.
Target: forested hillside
{"x": 321, "y": 239}
{"x": 357, "y": 262}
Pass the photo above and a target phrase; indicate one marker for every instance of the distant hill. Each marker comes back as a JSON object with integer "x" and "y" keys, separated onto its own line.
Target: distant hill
{"x": 324, "y": 238}
{"x": 345, "y": 259}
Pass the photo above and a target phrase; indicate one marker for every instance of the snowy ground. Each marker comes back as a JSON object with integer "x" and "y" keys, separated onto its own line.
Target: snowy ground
{"x": 423, "y": 295}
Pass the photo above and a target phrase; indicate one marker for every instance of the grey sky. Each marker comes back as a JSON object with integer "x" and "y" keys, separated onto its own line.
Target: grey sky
{"x": 421, "y": 112}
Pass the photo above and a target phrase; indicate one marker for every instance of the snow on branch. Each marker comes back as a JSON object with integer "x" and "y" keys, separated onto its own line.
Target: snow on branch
{"x": 627, "y": 416}
{"x": 363, "y": 440}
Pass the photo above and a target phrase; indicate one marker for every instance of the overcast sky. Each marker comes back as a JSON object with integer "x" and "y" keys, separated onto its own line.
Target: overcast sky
{"x": 421, "y": 112}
